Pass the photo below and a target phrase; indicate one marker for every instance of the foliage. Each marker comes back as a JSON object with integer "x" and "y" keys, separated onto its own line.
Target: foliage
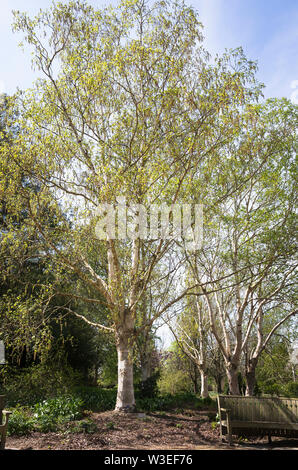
{"x": 54, "y": 411}
{"x": 175, "y": 375}
{"x": 205, "y": 402}
{"x": 85, "y": 425}
{"x": 45, "y": 416}
{"x": 30, "y": 385}
{"x": 64, "y": 413}
{"x": 20, "y": 422}
{"x": 173, "y": 382}
{"x": 149, "y": 387}
{"x": 166, "y": 402}
{"x": 99, "y": 399}
{"x": 96, "y": 398}
{"x": 108, "y": 370}
{"x": 129, "y": 104}
{"x": 291, "y": 389}
{"x": 274, "y": 371}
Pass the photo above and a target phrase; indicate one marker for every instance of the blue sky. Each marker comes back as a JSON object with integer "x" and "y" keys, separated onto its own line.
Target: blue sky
{"x": 266, "y": 29}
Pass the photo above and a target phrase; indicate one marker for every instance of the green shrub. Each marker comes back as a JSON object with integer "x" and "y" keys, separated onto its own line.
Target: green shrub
{"x": 20, "y": 422}
{"x": 271, "y": 389}
{"x": 39, "y": 382}
{"x": 291, "y": 389}
{"x": 205, "y": 402}
{"x": 148, "y": 387}
{"x": 95, "y": 398}
{"x": 177, "y": 382}
{"x": 257, "y": 390}
{"x": 46, "y": 423}
{"x": 52, "y": 412}
{"x": 166, "y": 402}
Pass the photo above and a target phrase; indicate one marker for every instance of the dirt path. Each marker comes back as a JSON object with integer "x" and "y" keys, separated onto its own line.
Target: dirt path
{"x": 192, "y": 430}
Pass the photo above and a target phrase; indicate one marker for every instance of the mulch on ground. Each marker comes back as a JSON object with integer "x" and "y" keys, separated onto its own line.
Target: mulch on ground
{"x": 192, "y": 430}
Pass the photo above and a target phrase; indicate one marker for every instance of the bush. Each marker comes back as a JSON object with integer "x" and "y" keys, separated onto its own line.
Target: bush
{"x": 291, "y": 390}
{"x": 20, "y": 422}
{"x": 50, "y": 413}
{"x": 166, "y": 402}
{"x": 205, "y": 402}
{"x": 271, "y": 389}
{"x": 33, "y": 384}
{"x": 148, "y": 388}
{"x": 177, "y": 382}
{"x": 95, "y": 398}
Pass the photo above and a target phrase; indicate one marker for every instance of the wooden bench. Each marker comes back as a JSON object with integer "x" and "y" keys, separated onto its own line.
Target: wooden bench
{"x": 257, "y": 416}
{"x": 3, "y": 426}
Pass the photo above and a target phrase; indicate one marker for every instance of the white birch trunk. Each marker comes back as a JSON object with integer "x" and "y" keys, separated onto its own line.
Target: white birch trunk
{"x": 125, "y": 395}
{"x": 204, "y": 384}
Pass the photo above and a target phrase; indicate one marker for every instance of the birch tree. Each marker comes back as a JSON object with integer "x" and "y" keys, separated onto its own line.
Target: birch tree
{"x": 127, "y": 105}
{"x": 192, "y": 333}
{"x": 275, "y": 311}
{"x": 250, "y": 248}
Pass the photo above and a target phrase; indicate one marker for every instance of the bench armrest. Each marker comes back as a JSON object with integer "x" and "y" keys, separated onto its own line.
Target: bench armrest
{"x": 6, "y": 415}
{"x": 226, "y": 410}
{"x": 3, "y": 428}
{"x": 228, "y": 423}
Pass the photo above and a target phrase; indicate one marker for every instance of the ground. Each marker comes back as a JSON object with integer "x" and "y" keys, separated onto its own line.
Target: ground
{"x": 190, "y": 430}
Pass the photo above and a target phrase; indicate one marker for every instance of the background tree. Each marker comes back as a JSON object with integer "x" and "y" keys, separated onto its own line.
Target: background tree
{"x": 192, "y": 333}
{"x": 178, "y": 372}
{"x": 33, "y": 313}
{"x": 249, "y": 256}
{"x": 274, "y": 374}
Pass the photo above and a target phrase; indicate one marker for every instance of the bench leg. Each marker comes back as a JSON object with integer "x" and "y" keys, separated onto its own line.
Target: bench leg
{"x": 3, "y": 430}
{"x": 230, "y": 438}
{"x": 2, "y": 439}
{"x": 269, "y": 439}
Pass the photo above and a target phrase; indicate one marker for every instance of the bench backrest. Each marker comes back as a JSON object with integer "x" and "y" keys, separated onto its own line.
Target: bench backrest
{"x": 251, "y": 409}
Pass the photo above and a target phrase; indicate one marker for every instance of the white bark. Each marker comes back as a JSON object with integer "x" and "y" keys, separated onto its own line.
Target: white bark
{"x": 125, "y": 395}
{"x": 204, "y": 384}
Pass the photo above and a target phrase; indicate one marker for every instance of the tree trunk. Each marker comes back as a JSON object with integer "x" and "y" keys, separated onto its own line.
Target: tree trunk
{"x": 204, "y": 384}
{"x": 250, "y": 383}
{"x": 232, "y": 376}
{"x": 195, "y": 380}
{"x": 125, "y": 395}
{"x": 250, "y": 377}
{"x": 219, "y": 382}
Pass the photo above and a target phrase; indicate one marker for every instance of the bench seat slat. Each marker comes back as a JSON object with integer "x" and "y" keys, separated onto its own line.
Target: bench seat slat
{"x": 261, "y": 424}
